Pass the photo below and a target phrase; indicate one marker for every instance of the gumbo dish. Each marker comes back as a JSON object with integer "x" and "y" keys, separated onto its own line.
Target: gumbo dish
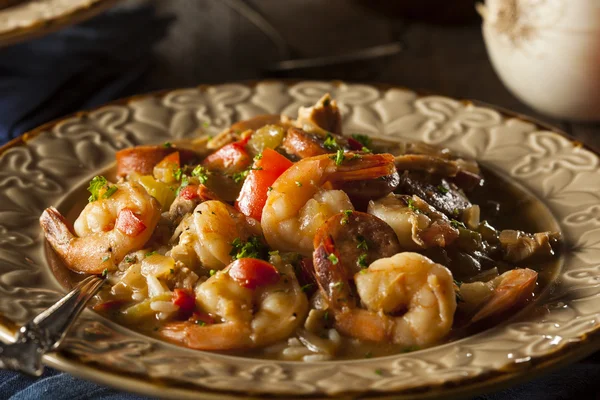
{"x": 282, "y": 238}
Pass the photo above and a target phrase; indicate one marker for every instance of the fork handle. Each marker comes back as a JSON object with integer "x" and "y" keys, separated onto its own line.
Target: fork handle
{"x": 46, "y": 331}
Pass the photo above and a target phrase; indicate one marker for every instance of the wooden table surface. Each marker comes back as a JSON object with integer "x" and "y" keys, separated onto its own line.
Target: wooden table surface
{"x": 210, "y": 42}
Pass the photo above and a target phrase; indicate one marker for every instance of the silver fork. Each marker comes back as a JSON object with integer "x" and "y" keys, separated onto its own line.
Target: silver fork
{"x": 46, "y": 331}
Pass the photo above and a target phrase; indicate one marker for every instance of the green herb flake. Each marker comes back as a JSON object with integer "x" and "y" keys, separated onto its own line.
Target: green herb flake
{"x": 172, "y": 271}
{"x": 240, "y": 176}
{"x": 150, "y": 253}
{"x": 252, "y": 248}
{"x": 362, "y": 139}
{"x": 442, "y": 189}
{"x": 177, "y": 172}
{"x": 339, "y": 157}
{"x": 362, "y": 260}
{"x": 338, "y": 286}
{"x": 457, "y": 224}
{"x": 110, "y": 191}
{"x": 167, "y": 145}
{"x": 362, "y": 243}
{"x": 212, "y": 272}
{"x": 363, "y": 271}
{"x": 410, "y": 349}
{"x": 205, "y": 124}
{"x": 365, "y": 150}
{"x": 456, "y": 212}
{"x": 457, "y": 283}
{"x": 330, "y": 143}
{"x": 326, "y": 315}
{"x": 345, "y": 220}
{"x": 326, "y": 102}
{"x": 274, "y": 253}
{"x": 105, "y": 273}
{"x": 184, "y": 183}
{"x": 307, "y": 287}
{"x": 269, "y": 188}
{"x": 129, "y": 259}
{"x": 105, "y": 258}
{"x": 298, "y": 183}
{"x": 201, "y": 173}
{"x": 258, "y": 157}
{"x": 97, "y": 183}
{"x": 379, "y": 372}
{"x": 333, "y": 258}
{"x": 201, "y": 323}
{"x": 411, "y": 204}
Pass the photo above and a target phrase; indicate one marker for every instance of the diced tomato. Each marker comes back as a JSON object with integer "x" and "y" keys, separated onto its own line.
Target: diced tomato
{"x": 190, "y": 192}
{"x": 230, "y": 158}
{"x": 186, "y": 302}
{"x": 252, "y": 272}
{"x": 253, "y": 196}
{"x": 354, "y": 144}
{"x": 129, "y": 223}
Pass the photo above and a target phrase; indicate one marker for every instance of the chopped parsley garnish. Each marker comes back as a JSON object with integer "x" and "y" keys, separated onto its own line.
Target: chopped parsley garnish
{"x": 201, "y": 173}
{"x": 457, "y": 283}
{"x": 457, "y": 224}
{"x": 455, "y": 212}
{"x": 338, "y": 285}
{"x": 167, "y": 145}
{"x": 105, "y": 258}
{"x": 172, "y": 270}
{"x": 362, "y": 139}
{"x": 298, "y": 183}
{"x": 105, "y": 273}
{"x": 378, "y": 371}
{"x": 362, "y": 260}
{"x": 205, "y": 124}
{"x": 184, "y": 182}
{"x": 326, "y": 315}
{"x": 151, "y": 253}
{"x": 240, "y": 176}
{"x": 269, "y": 188}
{"x": 96, "y": 185}
{"x": 330, "y": 143}
{"x": 411, "y": 204}
{"x": 212, "y": 272}
{"x": 347, "y": 213}
{"x": 253, "y": 248}
{"x": 258, "y": 157}
{"x": 333, "y": 258}
{"x": 201, "y": 323}
{"x": 362, "y": 243}
{"x": 274, "y": 253}
{"x": 339, "y": 157}
{"x": 410, "y": 349}
{"x": 177, "y": 172}
{"x": 129, "y": 259}
{"x": 442, "y": 189}
{"x": 365, "y": 150}
{"x": 307, "y": 287}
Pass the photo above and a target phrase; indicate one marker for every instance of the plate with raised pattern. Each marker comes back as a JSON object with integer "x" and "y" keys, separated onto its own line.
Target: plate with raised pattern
{"x": 22, "y": 20}
{"x": 46, "y": 166}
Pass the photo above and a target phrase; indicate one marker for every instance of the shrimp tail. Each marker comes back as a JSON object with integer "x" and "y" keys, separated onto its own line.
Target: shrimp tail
{"x": 331, "y": 275}
{"x": 360, "y": 167}
{"x": 75, "y": 253}
{"x": 225, "y": 336}
{"x": 516, "y": 287}
{"x": 57, "y": 229}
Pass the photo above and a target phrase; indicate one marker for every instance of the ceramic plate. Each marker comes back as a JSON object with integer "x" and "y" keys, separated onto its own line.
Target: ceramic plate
{"x": 26, "y": 19}
{"x": 53, "y": 164}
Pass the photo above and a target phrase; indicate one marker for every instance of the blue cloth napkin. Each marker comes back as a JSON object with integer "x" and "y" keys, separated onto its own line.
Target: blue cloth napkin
{"x": 77, "y": 68}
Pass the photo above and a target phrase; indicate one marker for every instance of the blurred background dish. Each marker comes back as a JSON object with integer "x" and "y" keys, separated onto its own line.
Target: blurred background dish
{"x": 547, "y": 53}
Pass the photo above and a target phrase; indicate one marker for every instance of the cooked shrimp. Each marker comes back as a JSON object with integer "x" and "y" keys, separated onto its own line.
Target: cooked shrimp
{"x": 106, "y": 230}
{"x": 499, "y": 295}
{"x": 416, "y": 223}
{"x": 256, "y": 304}
{"x": 206, "y": 235}
{"x": 302, "y": 192}
{"x": 409, "y": 300}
